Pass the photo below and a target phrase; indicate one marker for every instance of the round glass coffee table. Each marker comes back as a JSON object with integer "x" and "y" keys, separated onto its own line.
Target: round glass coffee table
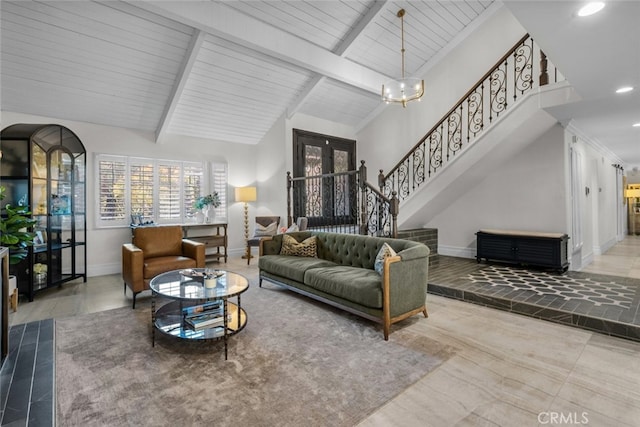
{"x": 189, "y": 301}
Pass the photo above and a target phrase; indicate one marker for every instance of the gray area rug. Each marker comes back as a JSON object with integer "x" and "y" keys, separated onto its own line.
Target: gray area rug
{"x": 298, "y": 362}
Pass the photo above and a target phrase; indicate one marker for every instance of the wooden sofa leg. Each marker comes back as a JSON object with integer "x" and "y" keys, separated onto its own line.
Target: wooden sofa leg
{"x": 386, "y": 327}
{"x": 425, "y": 311}
{"x": 134, "y": 299}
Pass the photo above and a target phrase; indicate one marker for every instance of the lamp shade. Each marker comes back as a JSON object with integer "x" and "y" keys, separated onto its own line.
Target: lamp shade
{"x": 632, "y": 192}
{"x": 246, "y": 194}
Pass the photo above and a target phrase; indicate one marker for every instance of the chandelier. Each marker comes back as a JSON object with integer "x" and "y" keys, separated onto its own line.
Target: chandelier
{"x": 404, "y": 89}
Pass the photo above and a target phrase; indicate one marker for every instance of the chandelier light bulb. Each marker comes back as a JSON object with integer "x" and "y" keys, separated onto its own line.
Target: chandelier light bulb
{"x": 402, "y": 90}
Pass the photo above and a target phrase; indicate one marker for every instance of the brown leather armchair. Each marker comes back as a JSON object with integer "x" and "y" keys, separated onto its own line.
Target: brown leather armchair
{"x": 157, "y": 250}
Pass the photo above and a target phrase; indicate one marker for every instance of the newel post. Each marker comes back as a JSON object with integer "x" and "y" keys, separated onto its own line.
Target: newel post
{"x": 544, "y": 74}
{"x": 394, "y": 209}
{"x": 362, "y": 174}
{"x": 362, "y": 177}
{"x": 381, "y": 181}
{"x": 289, "y": 216}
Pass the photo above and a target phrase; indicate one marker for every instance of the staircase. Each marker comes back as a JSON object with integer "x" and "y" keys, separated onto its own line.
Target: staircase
{"x": 499, "y": 116}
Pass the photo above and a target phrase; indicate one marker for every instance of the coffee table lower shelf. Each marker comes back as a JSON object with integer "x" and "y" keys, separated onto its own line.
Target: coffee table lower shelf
{"x": 168, "y": 319}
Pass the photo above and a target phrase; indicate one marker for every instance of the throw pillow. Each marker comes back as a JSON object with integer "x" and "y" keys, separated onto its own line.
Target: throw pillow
{"x": 306, "y": 248}
{"x": 292, "y": 229}
{"x": 384, "y": 252}
{"x": 269, "y": 230}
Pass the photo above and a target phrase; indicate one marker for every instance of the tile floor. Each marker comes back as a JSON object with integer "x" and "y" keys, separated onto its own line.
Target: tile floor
{"x": 507, "y": 370}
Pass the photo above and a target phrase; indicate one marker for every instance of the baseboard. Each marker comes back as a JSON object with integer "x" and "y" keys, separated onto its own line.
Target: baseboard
{"x": 103, "y": 269}
{"x": 456, "y": 251}
{"x": 599, "y": 250}
{"x": 587, "y": 259}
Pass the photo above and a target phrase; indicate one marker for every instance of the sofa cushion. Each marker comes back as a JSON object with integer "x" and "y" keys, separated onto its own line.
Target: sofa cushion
{"x": 162, "y": 264}
{"x": 359, "y": 285}
{"x": 292, "y": 267}
{"x": 384, "y": 252}
{"x": 306, "y": 248}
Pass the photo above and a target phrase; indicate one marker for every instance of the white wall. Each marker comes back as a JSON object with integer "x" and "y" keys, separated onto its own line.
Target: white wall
{"x": 526, "y": 193}
{"x": 104, "y": 245}
{"x": 276, "y": 158}
{"x": 392, "y": 134}
{"x": 599, "y": 216}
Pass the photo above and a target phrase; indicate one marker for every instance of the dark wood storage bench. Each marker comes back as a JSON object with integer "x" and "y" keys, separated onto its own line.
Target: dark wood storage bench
{"x": 524, "y": 247}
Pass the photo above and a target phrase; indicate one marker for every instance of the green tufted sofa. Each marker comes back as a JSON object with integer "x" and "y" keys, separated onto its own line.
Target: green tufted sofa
{"x": 343, "y": 274}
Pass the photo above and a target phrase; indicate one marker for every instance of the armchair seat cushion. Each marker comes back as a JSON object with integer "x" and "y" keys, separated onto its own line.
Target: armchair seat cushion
{"x": 162, "y": 264}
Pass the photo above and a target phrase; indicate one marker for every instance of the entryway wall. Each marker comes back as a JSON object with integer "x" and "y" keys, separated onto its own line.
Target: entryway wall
{"x": 599, "y": 220}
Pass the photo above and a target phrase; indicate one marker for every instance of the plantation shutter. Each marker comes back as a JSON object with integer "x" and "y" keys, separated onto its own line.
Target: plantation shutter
{"x": 169, "y": 192}
{"x": 162, "y": 191}
{"x": 111, "y": 191}
{"x": 219, "y": 184}
{"x": 141, "y": 181}
{"x": 193, "y": 182}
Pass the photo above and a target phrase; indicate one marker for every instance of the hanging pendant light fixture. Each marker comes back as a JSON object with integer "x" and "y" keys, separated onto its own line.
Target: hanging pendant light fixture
{"x": 405, "y": 89}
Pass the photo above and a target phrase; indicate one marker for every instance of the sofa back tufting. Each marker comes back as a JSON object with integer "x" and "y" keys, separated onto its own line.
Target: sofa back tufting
{"x": 350, "y": 249}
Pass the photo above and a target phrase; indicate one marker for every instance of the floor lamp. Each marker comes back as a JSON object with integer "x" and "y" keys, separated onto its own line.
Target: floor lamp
{"x": 246, "y": 195}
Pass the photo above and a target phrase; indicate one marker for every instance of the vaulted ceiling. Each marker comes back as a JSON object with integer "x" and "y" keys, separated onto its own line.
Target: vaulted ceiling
{"x": 218, "y": 70}
{"x": 227, "y": 70}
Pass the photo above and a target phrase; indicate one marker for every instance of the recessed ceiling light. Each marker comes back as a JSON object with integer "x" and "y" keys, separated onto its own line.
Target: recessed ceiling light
{"x": 591, "y": 8}
{"x": 624, "y": 89}
{"x": 636, "y": 125}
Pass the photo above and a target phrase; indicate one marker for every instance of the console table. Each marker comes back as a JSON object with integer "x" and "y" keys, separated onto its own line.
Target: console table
{"x": 522, "y": 247}
{"x": 213, "y": 235}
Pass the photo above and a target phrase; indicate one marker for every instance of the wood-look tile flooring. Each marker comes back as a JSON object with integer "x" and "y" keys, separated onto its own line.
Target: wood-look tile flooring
{"x": 507, "y": 370}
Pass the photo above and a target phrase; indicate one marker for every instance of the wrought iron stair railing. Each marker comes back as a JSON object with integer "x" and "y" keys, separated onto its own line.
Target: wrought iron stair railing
{"x": 497, "y": 91}
{"x": 342, "y": 202}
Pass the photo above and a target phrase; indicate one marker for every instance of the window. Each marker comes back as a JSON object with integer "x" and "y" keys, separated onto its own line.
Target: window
{"x": 160, "y": 190}
{"x": 111, "y": 190}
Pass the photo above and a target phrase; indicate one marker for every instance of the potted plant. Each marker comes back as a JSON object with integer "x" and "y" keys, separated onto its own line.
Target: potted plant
{"x": 14, "y": 227}
{"x": 40, "y": 273}
{"x": 203, "y": 204}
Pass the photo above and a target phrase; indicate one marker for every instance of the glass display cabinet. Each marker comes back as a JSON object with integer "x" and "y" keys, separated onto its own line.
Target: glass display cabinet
{"x": 44, "y": 167}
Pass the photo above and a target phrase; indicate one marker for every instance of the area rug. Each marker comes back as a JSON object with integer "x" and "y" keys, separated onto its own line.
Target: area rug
{"x": 298, "y": 362}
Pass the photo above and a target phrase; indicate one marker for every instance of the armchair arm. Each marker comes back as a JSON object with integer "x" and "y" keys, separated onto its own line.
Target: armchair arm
{"x": 194, "y": 250}
{"x": 133, "y": 266}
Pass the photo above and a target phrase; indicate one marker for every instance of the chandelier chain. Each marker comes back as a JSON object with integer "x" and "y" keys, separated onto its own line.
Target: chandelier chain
{"x": 401, "y": 16}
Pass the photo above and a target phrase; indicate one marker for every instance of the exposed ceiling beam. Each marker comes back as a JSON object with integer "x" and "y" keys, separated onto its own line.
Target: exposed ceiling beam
{"x": 222, "y": 21}
{"x": 174, "y": 97}
{"x": 371, "y": 16}
{"x": 341, "y": 50}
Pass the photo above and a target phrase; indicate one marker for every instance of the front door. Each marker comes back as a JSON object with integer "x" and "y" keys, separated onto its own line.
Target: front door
{"x": 325, "y": 199}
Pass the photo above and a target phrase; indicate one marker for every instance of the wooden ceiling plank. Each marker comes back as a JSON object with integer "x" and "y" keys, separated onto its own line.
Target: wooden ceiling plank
{"x": 217, "y": 19}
